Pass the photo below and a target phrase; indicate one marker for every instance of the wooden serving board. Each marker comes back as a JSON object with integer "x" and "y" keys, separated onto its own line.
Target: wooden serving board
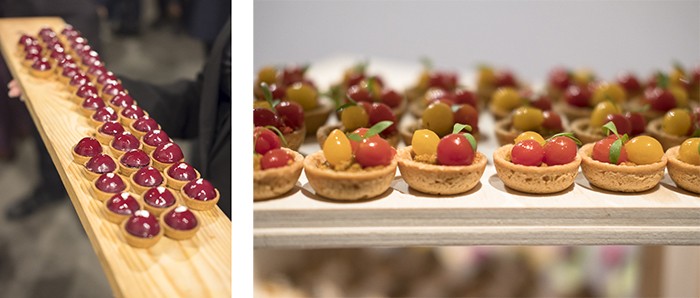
{"x": 491, "y": 214}
{"x": 198, "y": 267}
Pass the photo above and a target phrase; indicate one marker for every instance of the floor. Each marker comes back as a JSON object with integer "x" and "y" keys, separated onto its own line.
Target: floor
{"x": 48, "y": 253}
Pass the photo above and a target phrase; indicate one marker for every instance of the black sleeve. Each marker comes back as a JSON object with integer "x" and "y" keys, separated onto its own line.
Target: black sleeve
{"x": 174, "y": 106}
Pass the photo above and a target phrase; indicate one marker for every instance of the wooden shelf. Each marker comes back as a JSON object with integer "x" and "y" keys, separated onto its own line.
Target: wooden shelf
{"x": 489, "y": 215}
{"x": 199, "y": 267}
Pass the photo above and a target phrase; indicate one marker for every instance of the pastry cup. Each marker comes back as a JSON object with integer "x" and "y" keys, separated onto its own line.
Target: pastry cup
{"x": 118, "y": 153}
{"x": 86, "y": 112}
{"x": 147, "y": 148}
{"x": 175, "y": 184}
{"x": 41, "y": 74}
{"x": 315, "y": 118}
{"x": 438, "y": 179}
{"x": 140, "y": 189}
{"x": 114, "y": 217}
{"x": 92, "y": 175}
{"x": 140, "y": 242}
{"x": 536, "y": 180}
{"x": 103, "y": 196}
{"x": 94, "y": 123}
{"x": 198, "y": 205}
{"x": 499, "y": 114}
{"x": 685, "y": 175}
{"x": 274, "y": 182}
{"x": 667, "y": 140}
{"x": 104, "y": 138}
{"x": 77, "y": 158}
{"x": 161, "y": 166}
{"x": 127, "y": 122}
{"x": 137, "y": 133}
{"x": 506, "y": 134}
{"x": 620, "y": 178}
{"x": 157, "y": 211}
{"x": 347, "y": 186}
{"x": 406, "y": 132}
{"x": 295, "y": 138}
{"x": 176, "y": 234}
{"x": 573, "y": 113}
{"x": 580, "y": 128}
{"x": 128, "y": 171}
{"x": 324, "y": 131}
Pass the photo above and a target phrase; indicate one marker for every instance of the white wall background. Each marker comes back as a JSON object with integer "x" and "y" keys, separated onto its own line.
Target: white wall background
{"x": 529, "y": 37}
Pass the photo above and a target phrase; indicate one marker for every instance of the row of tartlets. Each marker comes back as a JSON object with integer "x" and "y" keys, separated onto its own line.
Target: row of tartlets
{"x": 134, "y": 169}
{"x": 362, "y": 165}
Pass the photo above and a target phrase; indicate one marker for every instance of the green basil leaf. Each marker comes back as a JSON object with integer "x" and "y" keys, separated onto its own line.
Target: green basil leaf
{"x": 341, "y": 108}
{"x": 378, "y": 128}
{"x": 350, "y": 98}
{"x": 569, "y": 135}
{"x": 610, "y": 127}
{"x": 696, "y": 133}
{"x": 471, "y": 139}
{"x": 459, "y": 127}
{"x": 615, "y": 150}
{"x": 361, "y": 67}
{"x": 662, "y": 80}
{"x": 268, "y": 95}
{"x": 304, "y": 68}
{"x": 355, "y": 137}
{"x": 278, "y": 132}
{"x": 625, "y": 138}
{"x": 426, "y": 62}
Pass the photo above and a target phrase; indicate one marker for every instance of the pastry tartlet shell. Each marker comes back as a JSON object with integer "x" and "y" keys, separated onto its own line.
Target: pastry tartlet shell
{"x": 271, "y": 183}
{"x": 530, "y": 179}
{"x": 685, "y": 175}
{"x": 620, "y": 178}
{"x": 439, "y": 179}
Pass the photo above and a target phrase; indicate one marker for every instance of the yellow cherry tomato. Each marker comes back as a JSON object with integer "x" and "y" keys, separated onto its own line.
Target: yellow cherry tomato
{"x": 486, "y": 77}
{"x": 583, "y": 77}
{"x": 425, "y": 141}
{"x": 688, "y": 152}
{"x": 267, "y": 74}
{"x": 439, "y": 118}
{"x": 676, "y": 76}
{"x": 608, "y": 91}
{"x": 506, "y": 99}
{"x": 527, "y": 118}
{"x": 529, "y": 135}
{"x": 261, "y": 104}
{"x": 423, "y": 80}
{"x": 354, "y": 117}
{"x": 676, "y": 122}
{"x": 644, "y": 150}
{"x": 303, "y": 94}
{"x": 336, "y": 148}
{"x": 601, "y": 111}
{"x": 680, "y": 94}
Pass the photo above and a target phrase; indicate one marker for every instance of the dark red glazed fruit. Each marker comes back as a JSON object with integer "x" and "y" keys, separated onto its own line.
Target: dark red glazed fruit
{"x": 122, "y": 203}
{"x": 125, "y": 141}
{"x": 86, "y": 90}
{"x": 122, "y": 100}
{"x": 182, "y": 171}
{"x": 142, "y": 224}
{"x": 79, "y": 79}
{"x": 26, "y": 40}
{"x": 145, "y": 124}
{"x": 41, "y": 64}
{"x": 180, "y": 218}
{"x": 33, "y": 48}
{"x": 159, "y": 197}
{"x": 88, "y": 147}
{"x": 105, "y": 114}
{"x": 106, "y": 77}
{"x": 156, "y": 137}
{"x": 110, "y": 182}
{"x": 111, "y": 128}
{"x": 168, "y": 153}
{"x": 133, "y": 112}
{"x": 148, "y": 176}
{"x": 32, "y": 56}
{"x": 112, "y": 88}
{"x": 69, "y": 70}
{"x": 93, "y": 102}
{"x": 96, "y": 69}
{"x": 135, "y": 159}
{"x": 200, "y": 189}
{"x": 101, "y": 163}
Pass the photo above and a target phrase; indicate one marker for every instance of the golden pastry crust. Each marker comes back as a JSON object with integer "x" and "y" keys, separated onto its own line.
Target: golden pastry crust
{"x": 315, "y": 118}
{"x": 296, "y": 138}
{"x": 538, "y": 180}
{"x": 174, "y": 183}
{"x": 667, "y": 141}
{"x": 139, "y": 242}
{"x": 685, "y": 175}
{"x": 324, "y": 131}
{"x": 437, "y": 179}
{"x": 41, "y": 74}
{"x": 197, "y": 204}
{"x": 499, "y": 114}
{"x": 161, "y": 166}
{"x": 140, "y": 189}
{"x": 573, "y": 113}
{"x": 77, "y": 158}
{"x": 137, "y": 133}
{"x": 582, "y": 131}
{"x": 118, "y": 153}
{"x": 104, "y": 138}
{"x": 127, "y": 122}
{"x": 622, "y": 178}
{"x": 103, "y": 196}
{"x": 406, "y": 132}
{"x": 347, "y": 186}
{"x": 271, "y": 183}
{"x": 114, "y": 217}
{"x": 175, "y": 233}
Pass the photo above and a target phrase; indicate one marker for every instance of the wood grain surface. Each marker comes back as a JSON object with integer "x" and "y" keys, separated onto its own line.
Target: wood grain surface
{"x": 491, "y": 214}
{"x": 198, "y": 267}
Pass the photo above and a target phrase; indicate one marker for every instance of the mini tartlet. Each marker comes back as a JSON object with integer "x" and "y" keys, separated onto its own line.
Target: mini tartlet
{"x": 273, "y": 182}
{"x": 143, "y": 125}
{"x": 106, "y": 132}
{"x": 534, "y": 179}
{"x": 685, "y": 175}
{"x": 158, "y": 199}
{"x": 654, "y": 128}
{"x": 142, "y": 229}
{"x": 102, "y": 115}
{"x": 620, "y": 178}
{"x": 107, "y": 185}
{"x": 99, "y": 164}
{"x": 124, "y": 142}
{"x": 166, "y": 154}
{"x": 439, "y": 179}
{"x": 180, "y": 223}
{"x": 133, "y": 160}
{"x": 120, "y": 206}
{"x": 145, "y": 178}
{"x": 324, "y": 131}
{"x": 153, "y": 138}
{"x": 200, "y": 194}
{"x": 85, "y": 149}
{"x": 346, "y": 185}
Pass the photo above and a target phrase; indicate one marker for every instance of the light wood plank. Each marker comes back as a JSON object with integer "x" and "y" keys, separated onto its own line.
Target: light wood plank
{"x": 199, "y": 267}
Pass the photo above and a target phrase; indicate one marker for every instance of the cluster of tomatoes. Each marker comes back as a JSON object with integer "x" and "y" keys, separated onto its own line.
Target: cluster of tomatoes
{"x": 531, "y": 149}
{"x": 268, "y": 146}
{"x": 363, "y": 146}
{"x": 455, "y": 149}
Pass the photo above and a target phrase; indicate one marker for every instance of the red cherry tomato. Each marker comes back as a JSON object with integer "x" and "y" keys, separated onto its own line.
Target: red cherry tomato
{"x": 464, "y": 96}
{"x": 455, "y": 150}
{"x": 527, "y": 153}
{"x": 275, "y": 158}
{"x": 265, "y": 140}
{"x": 374, "y": 152}
{"x": 552, "y": 121}
{"x": 467, "y": 114}
{"x": 291, "y": 114}
{"x": 361, "y": 131}
{"x": 559, "y": 151}
{"x": 601, "y": 150}
{"x": 391, "y": 98}
{"x": 379, "y": 112}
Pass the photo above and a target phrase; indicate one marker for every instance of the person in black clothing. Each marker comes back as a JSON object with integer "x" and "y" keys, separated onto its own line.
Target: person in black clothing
{"x": 198, "y": 109}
